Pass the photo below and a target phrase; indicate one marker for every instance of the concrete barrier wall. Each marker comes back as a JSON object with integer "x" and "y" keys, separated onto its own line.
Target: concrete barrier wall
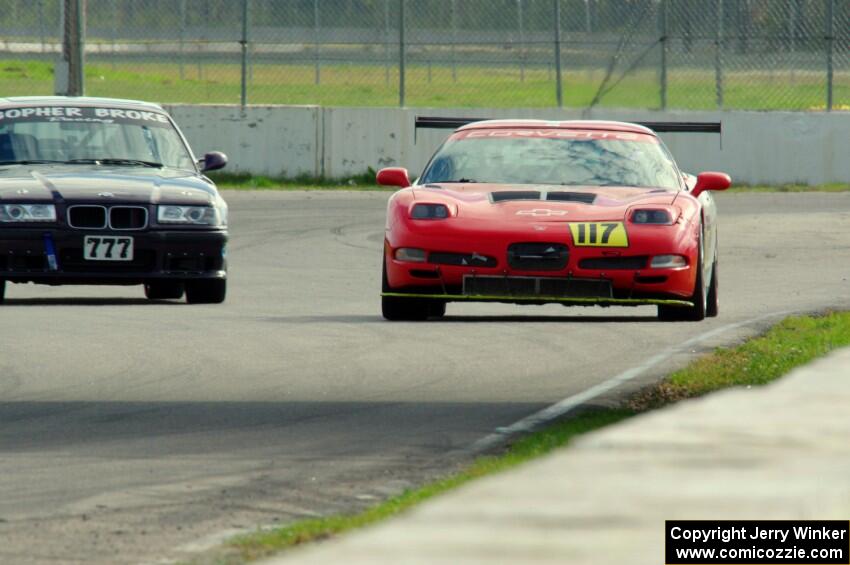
{"x": 756, "y": 147}
{"x": 263, "y": 140}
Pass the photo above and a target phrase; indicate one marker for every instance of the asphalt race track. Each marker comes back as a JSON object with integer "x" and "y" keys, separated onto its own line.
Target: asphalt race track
{"x": 133, "y": 431}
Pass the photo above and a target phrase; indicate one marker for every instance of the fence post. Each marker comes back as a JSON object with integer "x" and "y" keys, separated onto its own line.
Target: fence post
{"x": 830, "y": 42}
{"x": 521, "y": 41}
{"x": 114, "y": 31}
{"x": 205, "y": 17}
{"x": 182, "y": 38}
{"x": 387, "y": 42}
{"x": 559, "y": 92}
{"x": 70, "y": 77}
{"x": 401, "y": 53}
{"x": 743, "y": 30}
{"x": 665, "y": 45}
{"x": 718, "y": 55}
{"x": 792, "y": 26}
{"x": 78, "y": 49}
{"x": 41, "y": 23}
{"x": 454, "y": 40}
{"x": 244, "y": 45}
{"x": 316, "y": 24}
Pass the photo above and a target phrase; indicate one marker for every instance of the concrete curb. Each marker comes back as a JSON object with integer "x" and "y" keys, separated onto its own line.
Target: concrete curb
{"x": 777, "y": 452}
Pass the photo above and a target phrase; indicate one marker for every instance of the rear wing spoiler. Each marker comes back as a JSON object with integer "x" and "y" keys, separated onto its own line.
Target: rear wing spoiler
{"x": 658, "y": 127}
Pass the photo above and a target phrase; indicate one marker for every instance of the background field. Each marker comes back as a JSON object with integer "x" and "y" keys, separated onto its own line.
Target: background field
{"x": 430, "y": 86}
{"x": 674, "y": 54}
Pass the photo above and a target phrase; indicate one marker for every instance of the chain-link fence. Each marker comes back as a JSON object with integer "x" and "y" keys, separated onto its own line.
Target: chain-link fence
{"x": 690, "y": 54}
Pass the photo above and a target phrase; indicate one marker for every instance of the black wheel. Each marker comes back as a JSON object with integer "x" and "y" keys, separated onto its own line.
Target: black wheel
{"x": 398, "y": 309}
{"x": 206, "y": 291}
{"x": 713, "y": 308}
{"x": 698, "y": 311}
{"x": 2, "y": 290}
{"x": 164, "y": 290}
{"x": 402, "y": 309}
{"x": 438, "y": 309}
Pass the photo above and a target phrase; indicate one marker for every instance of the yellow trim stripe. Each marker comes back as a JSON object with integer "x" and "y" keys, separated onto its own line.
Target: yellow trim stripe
{"x": 560, "y": 299}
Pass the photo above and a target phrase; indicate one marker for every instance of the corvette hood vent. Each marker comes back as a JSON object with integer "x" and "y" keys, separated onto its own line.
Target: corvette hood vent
{"x": 505, "y": 195}
{"x": 555, "y": 196}
{"x": 583, "y": 197}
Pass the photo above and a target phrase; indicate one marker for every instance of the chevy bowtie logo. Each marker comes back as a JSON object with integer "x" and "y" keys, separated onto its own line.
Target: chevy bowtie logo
{"x": 537, "y": 212}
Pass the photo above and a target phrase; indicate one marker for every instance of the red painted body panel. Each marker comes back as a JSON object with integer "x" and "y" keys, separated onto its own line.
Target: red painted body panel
{"x": 479, "y": 226}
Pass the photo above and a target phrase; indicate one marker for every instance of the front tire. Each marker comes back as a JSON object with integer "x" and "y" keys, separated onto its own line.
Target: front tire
{"x": 699, "y": 310}
{"x": 438, "y": 309}
{"x": 206, "y": 291}
{"x": 402, "y": 309}
{"x": 398, "y": 309}
{"x": 713, "y": 308}
{"x": 164, "y": 290}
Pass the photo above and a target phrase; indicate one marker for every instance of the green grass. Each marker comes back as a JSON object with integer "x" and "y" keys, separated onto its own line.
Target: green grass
{"x": 791, "y": 343}
{"x": 366, "y": 181}
{"x": 830, "y": 187}
{"x": 245, "y": 181}
{"x": 476, "y": 86}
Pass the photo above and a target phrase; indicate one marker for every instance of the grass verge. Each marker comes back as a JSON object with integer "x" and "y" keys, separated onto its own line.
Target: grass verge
{"x": 246, "y": 181}
{"x": 793, "y": 342}
{"x": 829, "y": 187}
{"x": 366, "y": 181}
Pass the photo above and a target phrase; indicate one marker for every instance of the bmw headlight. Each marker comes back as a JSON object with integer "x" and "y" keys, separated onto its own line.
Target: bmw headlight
{"x": 10, "y": 213}
{"x": 191, "y": 215}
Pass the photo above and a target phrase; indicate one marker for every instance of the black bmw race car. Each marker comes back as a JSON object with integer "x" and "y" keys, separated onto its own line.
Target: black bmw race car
{"x": 103, "y": 191}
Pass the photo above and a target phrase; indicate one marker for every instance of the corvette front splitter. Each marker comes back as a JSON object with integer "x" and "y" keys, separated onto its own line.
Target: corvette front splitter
{"x": 545, "y": 299}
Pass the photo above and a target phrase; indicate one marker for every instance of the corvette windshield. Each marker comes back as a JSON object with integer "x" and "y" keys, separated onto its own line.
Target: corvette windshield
{"x": 56, "y": 134}
{"x": 592, "y": 160}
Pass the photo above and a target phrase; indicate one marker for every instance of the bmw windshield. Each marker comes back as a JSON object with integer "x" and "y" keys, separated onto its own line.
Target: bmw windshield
{"x": 95, "y": 135}
{"x": 554, "y": 156}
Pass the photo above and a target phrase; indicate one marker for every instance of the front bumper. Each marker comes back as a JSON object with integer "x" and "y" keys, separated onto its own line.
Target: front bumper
{"x": 158, "y": 254}
{"x": 625, "y": 273}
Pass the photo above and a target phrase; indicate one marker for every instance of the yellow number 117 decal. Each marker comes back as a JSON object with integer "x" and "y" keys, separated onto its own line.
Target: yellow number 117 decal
{"x": 599, "y": 234}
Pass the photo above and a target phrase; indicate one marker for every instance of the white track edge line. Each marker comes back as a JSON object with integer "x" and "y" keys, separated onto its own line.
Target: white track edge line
{"x": 570, "y": 403}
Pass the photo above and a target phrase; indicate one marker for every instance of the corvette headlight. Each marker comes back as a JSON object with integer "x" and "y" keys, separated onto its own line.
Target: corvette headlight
{"x": 193, "y": 215}
{"x": 27, "y": 213}
{"x": 429, "y": 212}
{"x": 656, "y": 217}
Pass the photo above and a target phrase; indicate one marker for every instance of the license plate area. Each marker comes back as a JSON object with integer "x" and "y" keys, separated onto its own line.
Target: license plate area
{"x": 529, "y": 287}
{"x": 107, "y": 248}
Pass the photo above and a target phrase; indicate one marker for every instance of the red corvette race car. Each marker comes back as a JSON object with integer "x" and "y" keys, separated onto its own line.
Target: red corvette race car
{"x": 533, "y": 212}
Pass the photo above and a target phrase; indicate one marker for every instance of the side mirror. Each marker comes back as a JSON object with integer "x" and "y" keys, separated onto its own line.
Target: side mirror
{"x": 393, "y": 176}
{"x": 711, "y": 181}
{"x": 213, "y": 161}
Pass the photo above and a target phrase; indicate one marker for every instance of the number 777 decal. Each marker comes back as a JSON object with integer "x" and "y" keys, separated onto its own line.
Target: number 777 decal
{"x": 599, "y": 234}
